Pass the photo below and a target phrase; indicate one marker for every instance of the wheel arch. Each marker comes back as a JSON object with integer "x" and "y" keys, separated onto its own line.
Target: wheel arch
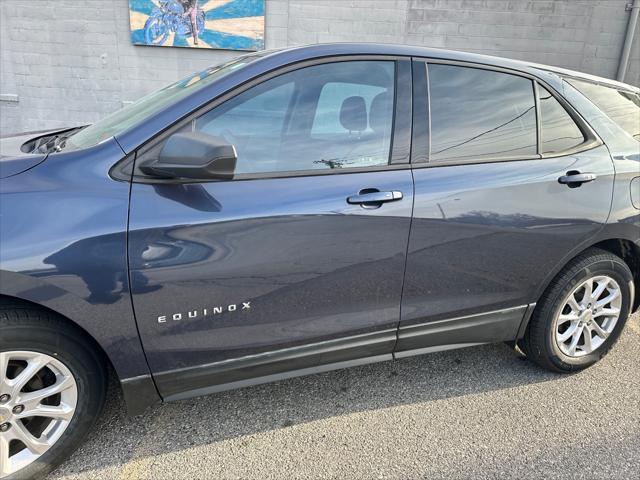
{"x": 629, "y": 252}
{"x": 622, "y": 246}
{"x": 10, "y": 302}
{"x": 136, "y": 383}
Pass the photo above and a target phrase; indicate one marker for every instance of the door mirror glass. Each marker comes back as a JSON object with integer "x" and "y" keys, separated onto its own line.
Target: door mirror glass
{"x": 193, "y": 156}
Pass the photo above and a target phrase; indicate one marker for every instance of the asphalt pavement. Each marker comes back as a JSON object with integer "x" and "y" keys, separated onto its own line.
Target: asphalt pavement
{"x": 483, "y": 412}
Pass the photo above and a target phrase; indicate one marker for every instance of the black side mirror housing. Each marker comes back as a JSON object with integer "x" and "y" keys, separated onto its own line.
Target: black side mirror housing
{"x": 193, "y": 156}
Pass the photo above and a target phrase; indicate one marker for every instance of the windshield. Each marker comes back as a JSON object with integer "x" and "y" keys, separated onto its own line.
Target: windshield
{"x": 145, "y": 107}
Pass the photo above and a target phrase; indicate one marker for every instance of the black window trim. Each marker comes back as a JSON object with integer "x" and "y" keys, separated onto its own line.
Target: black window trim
{"x": 536, "y": 93}
{"x": 420, "y": 159}
{"x": 421, "y": 116}
{"x": 399, "y": 150}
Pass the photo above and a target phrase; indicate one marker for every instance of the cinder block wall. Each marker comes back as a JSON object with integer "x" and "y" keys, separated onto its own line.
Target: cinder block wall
{"x": 68, "y": 62}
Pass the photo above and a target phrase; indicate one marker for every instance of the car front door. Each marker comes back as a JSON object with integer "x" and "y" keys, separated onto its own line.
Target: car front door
{"x": 296, "y": 264}
{"x": 499, "y": 204}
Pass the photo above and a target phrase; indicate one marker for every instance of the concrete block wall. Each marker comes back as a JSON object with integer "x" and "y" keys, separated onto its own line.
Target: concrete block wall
{"x": 581, "y": 35}
{"x": 69, "y": 62}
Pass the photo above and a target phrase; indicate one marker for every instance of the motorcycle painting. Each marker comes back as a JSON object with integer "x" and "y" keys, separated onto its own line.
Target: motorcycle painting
{"x": 229, "y": 25}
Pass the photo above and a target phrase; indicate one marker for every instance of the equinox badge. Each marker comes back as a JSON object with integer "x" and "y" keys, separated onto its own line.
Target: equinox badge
{"x": 205, "y": 312}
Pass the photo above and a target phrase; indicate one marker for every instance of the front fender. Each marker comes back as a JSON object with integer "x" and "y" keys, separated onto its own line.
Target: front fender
{"x": 63, "y": 230}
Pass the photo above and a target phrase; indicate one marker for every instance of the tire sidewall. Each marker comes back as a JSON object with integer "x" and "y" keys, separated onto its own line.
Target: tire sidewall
{"x": 620, "y": 273}
{"x": 90, "y": 379}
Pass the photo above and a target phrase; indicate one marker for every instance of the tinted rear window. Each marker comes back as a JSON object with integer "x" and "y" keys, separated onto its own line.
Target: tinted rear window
{"x": 621, "y": 106}
{"x": 480, "y": 114}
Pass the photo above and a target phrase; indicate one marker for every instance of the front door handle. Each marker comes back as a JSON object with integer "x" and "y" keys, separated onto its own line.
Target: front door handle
{"x": 372, "y": 197}
{"x": 574, "y": 178}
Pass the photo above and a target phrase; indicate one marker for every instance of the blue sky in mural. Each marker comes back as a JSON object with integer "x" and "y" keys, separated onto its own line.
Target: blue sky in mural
{"x": 225, "y": 24}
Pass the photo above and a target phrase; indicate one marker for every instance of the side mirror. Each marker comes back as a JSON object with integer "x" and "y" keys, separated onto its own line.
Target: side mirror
{"x": 193, "y": 156}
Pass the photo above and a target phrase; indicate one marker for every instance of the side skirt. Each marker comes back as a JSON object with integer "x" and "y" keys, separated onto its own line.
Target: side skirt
{"x": 275, "y": 365}
{"x": 491, "y": 327}
{"x": 278, "y": 376}
{"x": 139, "y": 394}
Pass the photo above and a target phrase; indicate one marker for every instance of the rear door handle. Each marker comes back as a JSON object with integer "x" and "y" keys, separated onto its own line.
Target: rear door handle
{"x": 575, "y": 178}
{"x": 367, "y": 196}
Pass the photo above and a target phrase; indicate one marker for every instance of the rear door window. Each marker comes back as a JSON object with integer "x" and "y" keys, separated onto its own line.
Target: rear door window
{"x": 621, "y": 106}
{"x": 480, "y": 114}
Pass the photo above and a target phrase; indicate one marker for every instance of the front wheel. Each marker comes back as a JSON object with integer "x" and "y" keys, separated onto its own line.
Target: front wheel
{"x": 52, "y": 387}
{"x": 581, "y": 314}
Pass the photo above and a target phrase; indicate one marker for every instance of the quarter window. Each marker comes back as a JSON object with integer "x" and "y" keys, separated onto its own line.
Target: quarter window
{"x": 329, "y": 116}
{"x": 480, "y": 114}
{"x": 621, "y": 106}
{"x": 558, "y": 130}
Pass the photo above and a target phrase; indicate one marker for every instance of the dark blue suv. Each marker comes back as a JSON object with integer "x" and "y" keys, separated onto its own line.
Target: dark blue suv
{"x": 309, "y": 209}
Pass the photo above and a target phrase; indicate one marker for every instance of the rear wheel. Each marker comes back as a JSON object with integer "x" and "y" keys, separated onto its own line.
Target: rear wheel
{"x": 581, "y": 314}
{"x": 52, "y": 386}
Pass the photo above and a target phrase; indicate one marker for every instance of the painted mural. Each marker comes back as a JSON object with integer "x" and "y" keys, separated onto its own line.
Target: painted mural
{"x": 223, "y": 24}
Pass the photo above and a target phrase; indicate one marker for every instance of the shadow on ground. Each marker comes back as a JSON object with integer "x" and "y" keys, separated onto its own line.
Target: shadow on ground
{"x": 185, "y": 424}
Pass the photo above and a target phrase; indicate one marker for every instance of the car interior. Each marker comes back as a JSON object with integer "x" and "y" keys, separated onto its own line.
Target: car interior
{"x": 318, "y": 117}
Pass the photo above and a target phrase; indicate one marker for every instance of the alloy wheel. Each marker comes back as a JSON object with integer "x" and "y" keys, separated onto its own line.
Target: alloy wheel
{"x": 588, "y": 316}
{"x": 38, "y": 398}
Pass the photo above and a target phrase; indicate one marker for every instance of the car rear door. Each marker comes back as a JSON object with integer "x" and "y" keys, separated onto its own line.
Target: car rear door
{"x": 297, "y": 263}
{"x": 498, "y": 201}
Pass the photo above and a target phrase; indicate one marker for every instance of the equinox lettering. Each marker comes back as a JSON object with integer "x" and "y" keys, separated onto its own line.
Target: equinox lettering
{"x": 205, "y": 312}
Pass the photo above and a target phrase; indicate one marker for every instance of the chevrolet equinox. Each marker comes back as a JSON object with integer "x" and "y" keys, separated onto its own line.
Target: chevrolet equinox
{"x": 308, "y": 209}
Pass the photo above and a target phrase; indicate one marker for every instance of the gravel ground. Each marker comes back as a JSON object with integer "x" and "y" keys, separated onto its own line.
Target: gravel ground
{"x": 480, "y": 412}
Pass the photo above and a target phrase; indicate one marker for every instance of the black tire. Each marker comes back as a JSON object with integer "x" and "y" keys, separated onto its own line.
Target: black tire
{"x": 539, "y": 343}
{"x": 32, "y": 329}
